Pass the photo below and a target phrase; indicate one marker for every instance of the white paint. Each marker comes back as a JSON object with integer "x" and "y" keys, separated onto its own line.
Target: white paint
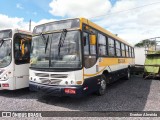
{"x": 139, "y": 55}
{"x": 72, "y": 77}
{"x": 18, "y": 75}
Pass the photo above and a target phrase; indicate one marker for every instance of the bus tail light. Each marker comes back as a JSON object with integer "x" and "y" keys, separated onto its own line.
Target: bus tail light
{"x": 69, "y": 91}
{"x": 5, "y": 85}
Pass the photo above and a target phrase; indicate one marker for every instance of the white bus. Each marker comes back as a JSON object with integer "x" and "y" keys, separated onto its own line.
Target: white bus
{"x": 14, "y": 59}
{"x": 75, "y": 57}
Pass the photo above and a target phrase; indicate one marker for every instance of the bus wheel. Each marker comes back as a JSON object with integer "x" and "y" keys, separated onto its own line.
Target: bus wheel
{"x": 102, "y": 89}
{"x": 144, "y": 75}
{"x": 128, "y": 76}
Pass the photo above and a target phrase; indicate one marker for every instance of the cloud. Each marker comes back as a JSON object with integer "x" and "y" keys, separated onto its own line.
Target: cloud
{"x": 133, "y": 25}
{"x": 76, "y": 8}
{"x": 19, "y": 6}
{"x": 7, "y": 22}
{"x": 11, "y": 22}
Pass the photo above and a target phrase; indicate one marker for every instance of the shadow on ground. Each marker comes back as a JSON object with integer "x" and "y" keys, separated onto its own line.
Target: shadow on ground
{"x": 123, "y": 95}
{"x": 24, "y": 93}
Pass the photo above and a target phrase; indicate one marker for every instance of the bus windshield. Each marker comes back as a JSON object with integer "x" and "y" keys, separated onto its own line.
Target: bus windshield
{"x": 56, "y": 50}
{"x": 5, "y": 52}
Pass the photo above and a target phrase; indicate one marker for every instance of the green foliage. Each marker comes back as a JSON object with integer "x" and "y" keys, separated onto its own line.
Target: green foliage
{"x": 146, "y": 42}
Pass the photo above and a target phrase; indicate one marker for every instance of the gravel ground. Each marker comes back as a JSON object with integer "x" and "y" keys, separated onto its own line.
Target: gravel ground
{"x": 124, "y": 95}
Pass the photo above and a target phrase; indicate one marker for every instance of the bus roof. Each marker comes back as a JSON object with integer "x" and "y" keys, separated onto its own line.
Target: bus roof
{"x": 88, "y": 22}
{"x": 16, "y": 30}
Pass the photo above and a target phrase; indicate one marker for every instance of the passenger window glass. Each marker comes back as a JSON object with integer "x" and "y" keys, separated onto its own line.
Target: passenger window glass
{"x": 111, "y": 47}
{"x": 127, "y": 53}
{"x": 130, "y": 52}
{"x": 86, "y": 43}
{"x": 102, "y": 45}
{"x": 93, "y": 49}
{"x": 118, "y": 48}
{"x": 123, "y": 50}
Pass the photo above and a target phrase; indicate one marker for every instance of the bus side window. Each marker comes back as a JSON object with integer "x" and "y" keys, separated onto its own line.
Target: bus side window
{"x": 92, "y": 42}
{"x": 123, "y": 50}
{"x": 133, "y": 52}
{"x": 86, "y": 43}
{"x": 118, "y": 49}
{"x": 89, "y": 50}
{"x": 111, "y": 47}
{"x": 102, "y": 45}
{"x": 127, "y": 52}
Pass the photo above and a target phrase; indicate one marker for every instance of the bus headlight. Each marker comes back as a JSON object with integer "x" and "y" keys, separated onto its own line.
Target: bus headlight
{"x": 31, "y": 78}
{"x": 5, "y": 77}
{"x": 1, "y": 71}
{"x": 72, "y": 82}
{"x": 66, "y": 82}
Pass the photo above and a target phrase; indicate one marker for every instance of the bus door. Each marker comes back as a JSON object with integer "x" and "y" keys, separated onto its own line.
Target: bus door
{"x": 90, "y": 54}
{"x": 22, "y": 46}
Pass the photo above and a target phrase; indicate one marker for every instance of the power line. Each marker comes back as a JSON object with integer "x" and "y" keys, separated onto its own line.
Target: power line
{"x": 124, "y": 10}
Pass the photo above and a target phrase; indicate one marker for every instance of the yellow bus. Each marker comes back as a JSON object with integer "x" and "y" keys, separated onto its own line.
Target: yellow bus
{"x": 76, "y": 57}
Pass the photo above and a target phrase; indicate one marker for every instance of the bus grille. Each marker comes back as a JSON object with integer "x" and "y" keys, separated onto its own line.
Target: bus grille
{"x": 42, "y": 74}
{"x": 51, "y": 75}
{"x": 59, "y": 75}
{"x": 50, "y": 82}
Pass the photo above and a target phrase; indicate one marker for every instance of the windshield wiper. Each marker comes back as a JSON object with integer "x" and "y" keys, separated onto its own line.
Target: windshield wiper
{"x": 46, "y": 44}
{"x": 43, "y": 38}
{"x": 1, "y": 42}
{"x": 61, "y": 40}
{"x": 45, "y": 41}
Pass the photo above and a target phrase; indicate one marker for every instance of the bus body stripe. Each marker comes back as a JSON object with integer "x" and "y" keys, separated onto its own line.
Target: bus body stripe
{"x": 88, "y": 75}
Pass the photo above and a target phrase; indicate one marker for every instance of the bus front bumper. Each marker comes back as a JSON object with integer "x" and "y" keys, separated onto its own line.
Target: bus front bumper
{"x": 56, "y": 90}
{"x": 7, "y": 84}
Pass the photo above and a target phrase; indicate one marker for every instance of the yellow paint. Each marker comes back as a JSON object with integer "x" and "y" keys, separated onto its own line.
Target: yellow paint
{"x": 114, "y": 61}
{"x": 104, "y": 62}
{"x": 93, "y": 25}
{"x": 89, "y": 75}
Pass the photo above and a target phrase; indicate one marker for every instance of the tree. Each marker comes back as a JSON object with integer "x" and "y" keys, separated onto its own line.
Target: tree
{"x": 146, "y": 43}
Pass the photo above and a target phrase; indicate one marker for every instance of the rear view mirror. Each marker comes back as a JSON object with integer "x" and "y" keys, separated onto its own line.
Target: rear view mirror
{"x": 92, "y": 39}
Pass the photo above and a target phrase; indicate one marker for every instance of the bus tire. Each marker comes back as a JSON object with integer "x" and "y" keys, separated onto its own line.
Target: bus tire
{"x": 128, "y": 76}
{"x": 102, "y": 89}
{"x": 144, "y": 75}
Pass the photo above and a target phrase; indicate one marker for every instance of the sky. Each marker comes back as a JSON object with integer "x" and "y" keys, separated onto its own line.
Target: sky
{"x": 132, "y": 20}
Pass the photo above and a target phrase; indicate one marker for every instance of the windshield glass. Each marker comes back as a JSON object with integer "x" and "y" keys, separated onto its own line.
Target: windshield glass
{"x": 53, "y": 51}
{"x": 5, "y": 53}
{"x": 5, "y": 34}
{"x": 57, "y": 25}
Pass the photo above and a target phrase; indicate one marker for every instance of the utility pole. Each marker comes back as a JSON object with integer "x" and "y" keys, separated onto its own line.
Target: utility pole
{"x": 30, "y": 25}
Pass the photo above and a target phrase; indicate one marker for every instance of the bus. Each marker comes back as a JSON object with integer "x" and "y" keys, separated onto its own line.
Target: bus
{"x": 15, "y": 48}
{"x": 76, "y": 57}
